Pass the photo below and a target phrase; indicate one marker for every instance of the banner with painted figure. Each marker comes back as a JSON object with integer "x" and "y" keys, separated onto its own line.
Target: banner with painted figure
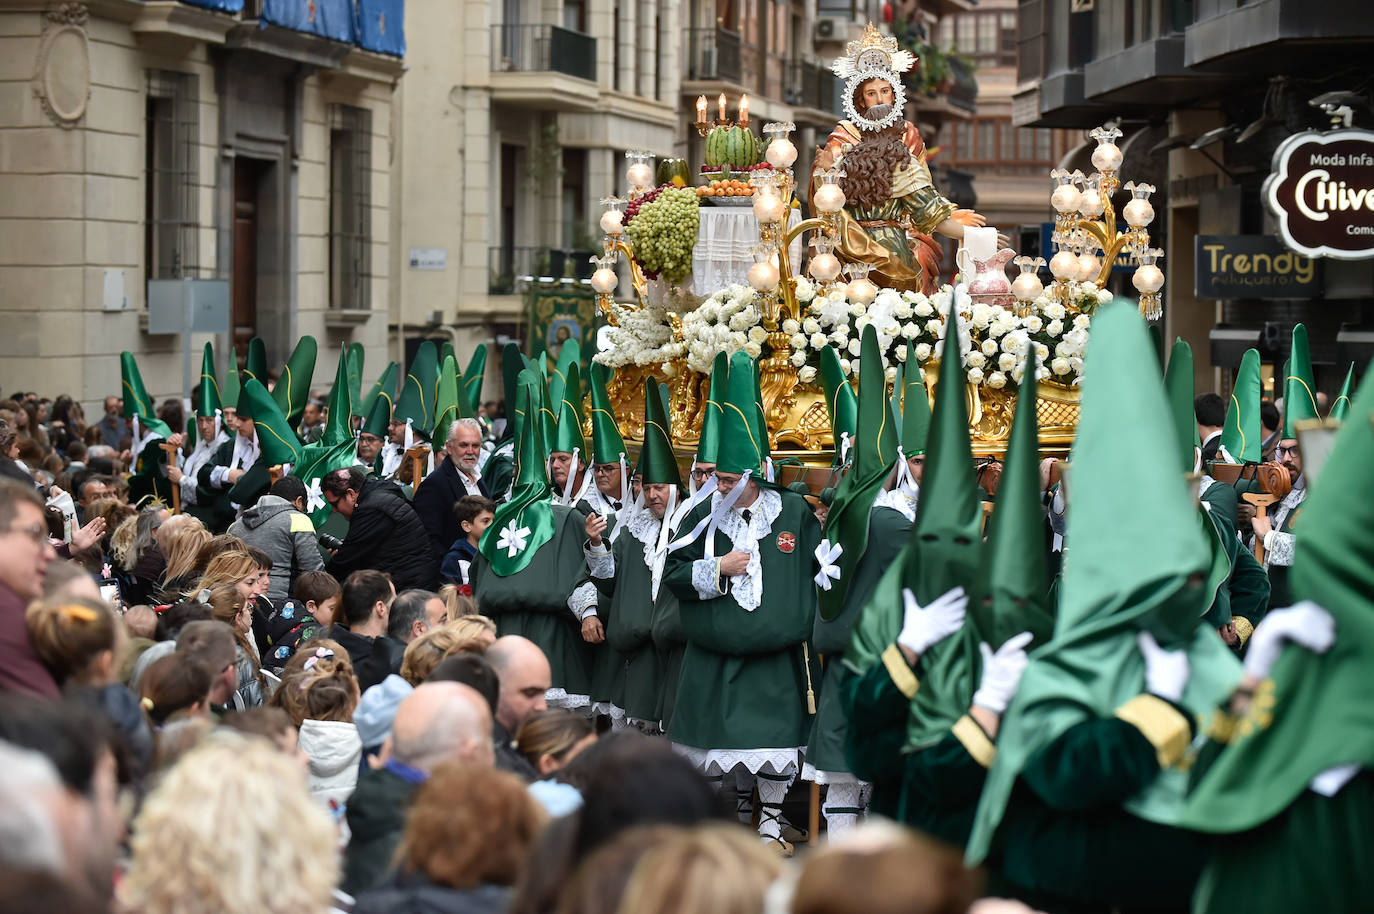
{"x": 557, "y": 313}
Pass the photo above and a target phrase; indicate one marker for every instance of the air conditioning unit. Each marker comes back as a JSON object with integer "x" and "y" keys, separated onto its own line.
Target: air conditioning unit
{"x": 831, "y": 29}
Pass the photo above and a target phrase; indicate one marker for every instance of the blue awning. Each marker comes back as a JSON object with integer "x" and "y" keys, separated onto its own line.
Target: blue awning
{"x": 326, "y": 18}
{"x": 381, "y": 26}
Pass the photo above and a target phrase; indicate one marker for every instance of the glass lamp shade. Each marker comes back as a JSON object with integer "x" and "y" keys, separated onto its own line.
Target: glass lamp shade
{"x": 1027, "y": 287}
{"x": 1064, "y": 265}
{"x": 825, "y": 267}
{"x": 611, "y": 222}
{"x": 763, "y": 276}
{"x": 604, "y": 280}
{"x": 828, "y": 198}
{"x": 781, "y": 153}
{"x": 1148, "y": 278}
{"x": 1066, "y": 198}
{"x": 768, "y": 206}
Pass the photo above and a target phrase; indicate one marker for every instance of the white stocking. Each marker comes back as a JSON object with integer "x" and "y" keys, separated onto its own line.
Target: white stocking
{"x": 843, "y": 805}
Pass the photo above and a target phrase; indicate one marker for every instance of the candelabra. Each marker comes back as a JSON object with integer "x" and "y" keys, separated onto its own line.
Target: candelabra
{"x": 705, "y": 126}
{"x": 1085, "y": 223}
{"x": 639, "y": 176}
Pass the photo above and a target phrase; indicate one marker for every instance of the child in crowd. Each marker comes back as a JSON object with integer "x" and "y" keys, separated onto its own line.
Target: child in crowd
{"x": 320, "y": 693}
{"x": 474, "y": 514}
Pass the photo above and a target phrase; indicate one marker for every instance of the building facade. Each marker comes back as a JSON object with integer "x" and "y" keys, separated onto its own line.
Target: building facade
{"x": 1206, "y": 91}
{"x": 144, "y": 141}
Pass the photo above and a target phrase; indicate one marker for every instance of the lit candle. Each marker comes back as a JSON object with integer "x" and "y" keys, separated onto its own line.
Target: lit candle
{"x": 744, "y": 110}
{"x": 722, "y": 107}
{"x": 701, "y": 109}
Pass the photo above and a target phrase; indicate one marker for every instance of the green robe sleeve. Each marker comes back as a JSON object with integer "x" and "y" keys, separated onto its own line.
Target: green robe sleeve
{"x": 1096, "y": 763}
{"x": 940, "y": 789}
{"x": 876, "y": 704}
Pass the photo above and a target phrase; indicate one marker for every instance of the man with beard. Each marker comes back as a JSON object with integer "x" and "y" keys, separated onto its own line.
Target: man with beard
{"x": 628, "y": 572}
{"x": 451, "y": 480}
{"x": 892, "y": 206}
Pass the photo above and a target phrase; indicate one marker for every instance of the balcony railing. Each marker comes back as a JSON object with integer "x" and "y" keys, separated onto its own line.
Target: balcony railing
{"x": 543, "y": 49}
{"x": 810, "y": 85}
{"x": 714, "y": 54}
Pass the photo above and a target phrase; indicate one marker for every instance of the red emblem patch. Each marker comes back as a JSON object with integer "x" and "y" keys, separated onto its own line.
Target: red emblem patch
{"x": 787, "y": 542}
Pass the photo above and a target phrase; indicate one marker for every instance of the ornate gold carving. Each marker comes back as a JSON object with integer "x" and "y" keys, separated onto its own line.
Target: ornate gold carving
{"x": 62, "y": 70}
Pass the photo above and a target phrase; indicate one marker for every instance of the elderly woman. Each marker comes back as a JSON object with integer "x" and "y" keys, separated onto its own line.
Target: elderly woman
{"x": 469, "y": 832}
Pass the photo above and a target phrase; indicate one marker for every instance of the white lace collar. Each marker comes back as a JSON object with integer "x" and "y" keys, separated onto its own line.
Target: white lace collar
{"x": 747, "y": 588}
{"x": 898, "y": 499}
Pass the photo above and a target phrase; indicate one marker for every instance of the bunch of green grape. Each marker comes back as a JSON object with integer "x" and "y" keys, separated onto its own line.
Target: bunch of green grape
{"x": 663, "y": 232}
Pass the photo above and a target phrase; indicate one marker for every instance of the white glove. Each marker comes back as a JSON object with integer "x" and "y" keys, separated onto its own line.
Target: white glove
{"x": 1166, "y": 672}
{"x": 928, "y": 625}
{"x": 1001, "y": 673}
{"x": 1306, "y": 624}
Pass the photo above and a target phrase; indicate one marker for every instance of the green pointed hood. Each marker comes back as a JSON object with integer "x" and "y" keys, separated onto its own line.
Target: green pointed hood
{"x": 739, "y": 448}
{"x": 712, "y": 414}
{"x": 568, "y": 431}
{"x": 472, "y": 376}
{"x": 208, "y": 399}
{"x": 607, "y": 443}
{"x": 1178, "y": 386}
{"x": 1317, "y": 704}
{"x": 446, "y": 352}
{"x": 1014, "y": 596}
{"x": 894, "y": 401}
{"x": 377, "y": 422}
{"x": 256, "y": 364}
{"x": 525, "y": 522}
{"x": 1341, "y": 405}
{"x": 948, "y": 542}
{"x": 385, "y": 389}
{"x": 915, "y": 406}
{"x": 557, "y": 373}
{"x": 415, "y": 405}
{"x": 336, "y": 448}
{"x": 276, "y": 440}
{"x": 445, "y": 400}
{"x": 137, "y": 403}
{"x": 229, "y": 394}
{"x": 356, "y": 358}
{"x": 338, "y": 428}
{"x": 513, "y": 361}
{"x": 874, "y": 456}
{"x": 1116, "y": 583}
{"x": 1300, "y": 390}
{"x": 840, "y": 401}
{"x": 657, "y": 463}
{"x": 292, "y": 390}
{"x": 1241, "y": 436}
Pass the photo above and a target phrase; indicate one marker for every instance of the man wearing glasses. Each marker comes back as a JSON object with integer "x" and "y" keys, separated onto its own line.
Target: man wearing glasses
{"x": 1275, "y": 529}
{"x": 24, "y": 556}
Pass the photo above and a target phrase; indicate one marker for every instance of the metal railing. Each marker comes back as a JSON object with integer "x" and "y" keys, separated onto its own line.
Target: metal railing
{"x": 713, "y": 53}
{"x": 810, "y": 85}
{"x": 543, "y": 49}
{"x": 507, "y": 264}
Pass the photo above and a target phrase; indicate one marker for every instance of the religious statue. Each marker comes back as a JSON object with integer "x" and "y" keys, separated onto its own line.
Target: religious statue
{"x": 893, "y": 207}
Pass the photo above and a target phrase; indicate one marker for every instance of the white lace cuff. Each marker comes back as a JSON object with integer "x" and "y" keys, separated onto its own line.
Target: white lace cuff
{"x": 1280, "y": 548}
{"x": 706, "y": 578}
{"x": 600, "y": 563}
{"x": 582, "y": 602}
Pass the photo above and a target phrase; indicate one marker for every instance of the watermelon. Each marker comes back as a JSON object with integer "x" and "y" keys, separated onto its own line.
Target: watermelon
{"x": 735, "y": 146}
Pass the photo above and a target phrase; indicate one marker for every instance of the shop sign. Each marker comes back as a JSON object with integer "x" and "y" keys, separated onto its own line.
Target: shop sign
{"x": 1252, "y": 266}
{"x": 1322, "y": 191}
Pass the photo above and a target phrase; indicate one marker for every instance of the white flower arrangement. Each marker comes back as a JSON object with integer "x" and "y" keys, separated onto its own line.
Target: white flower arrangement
{"x": 643, "y": 336}
{"x": 994, "y": 343}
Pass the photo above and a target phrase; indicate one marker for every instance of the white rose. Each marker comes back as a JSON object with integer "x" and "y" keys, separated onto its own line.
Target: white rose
{"x": 989, "y": 348}
{"x": 1087, "y": 288}
{"x": 754, "y": 350}
{"x": 840, "y": 338}
{"x": 1042, "y": 351}
{"x": 739, "y": 322}
{"x": 819, "y": 340}
{"x": 923, "y": 309}
{"x": 900, "y": 354}
{"x": 936, "y": 328}
{"x": 1042, "y": 374}
{"x": 982, "y": 315}
{"x": 811, "y": 325}
{"x": 922, "y": 352}
{"x": 806, "y": 375}
{"x": 1076, "y": 365}
{"x": 844, "y": 365}
{"x": 862, "y": 321}
{"x": 805, "y": 290}
{"x": 668, "y": 369}
{"x": 757, "y": 334}
{"x": 890, "y": 375}
{"x": 855, "y": 346}
{"x": 901, "y": 311}
{"x": 975, "y": 376}
{"x": 1060, "y": 366}
{"x": 997, "y": 380}
{"x": 976, "y": 359}
{"x": 1033, "y": 324}
{"x": 1054, "y": 311}
{"x": 1006, "y": 361}
{"x": 1054, "y": 328}
{"x": 1063, "y": 350}
{"x": 791, "y": 327}
{"x": 1104, "y": 296}
{"x": 856, "y": 310}
{"x": 799, "y": 341}
{"x": 798, "y": 359}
